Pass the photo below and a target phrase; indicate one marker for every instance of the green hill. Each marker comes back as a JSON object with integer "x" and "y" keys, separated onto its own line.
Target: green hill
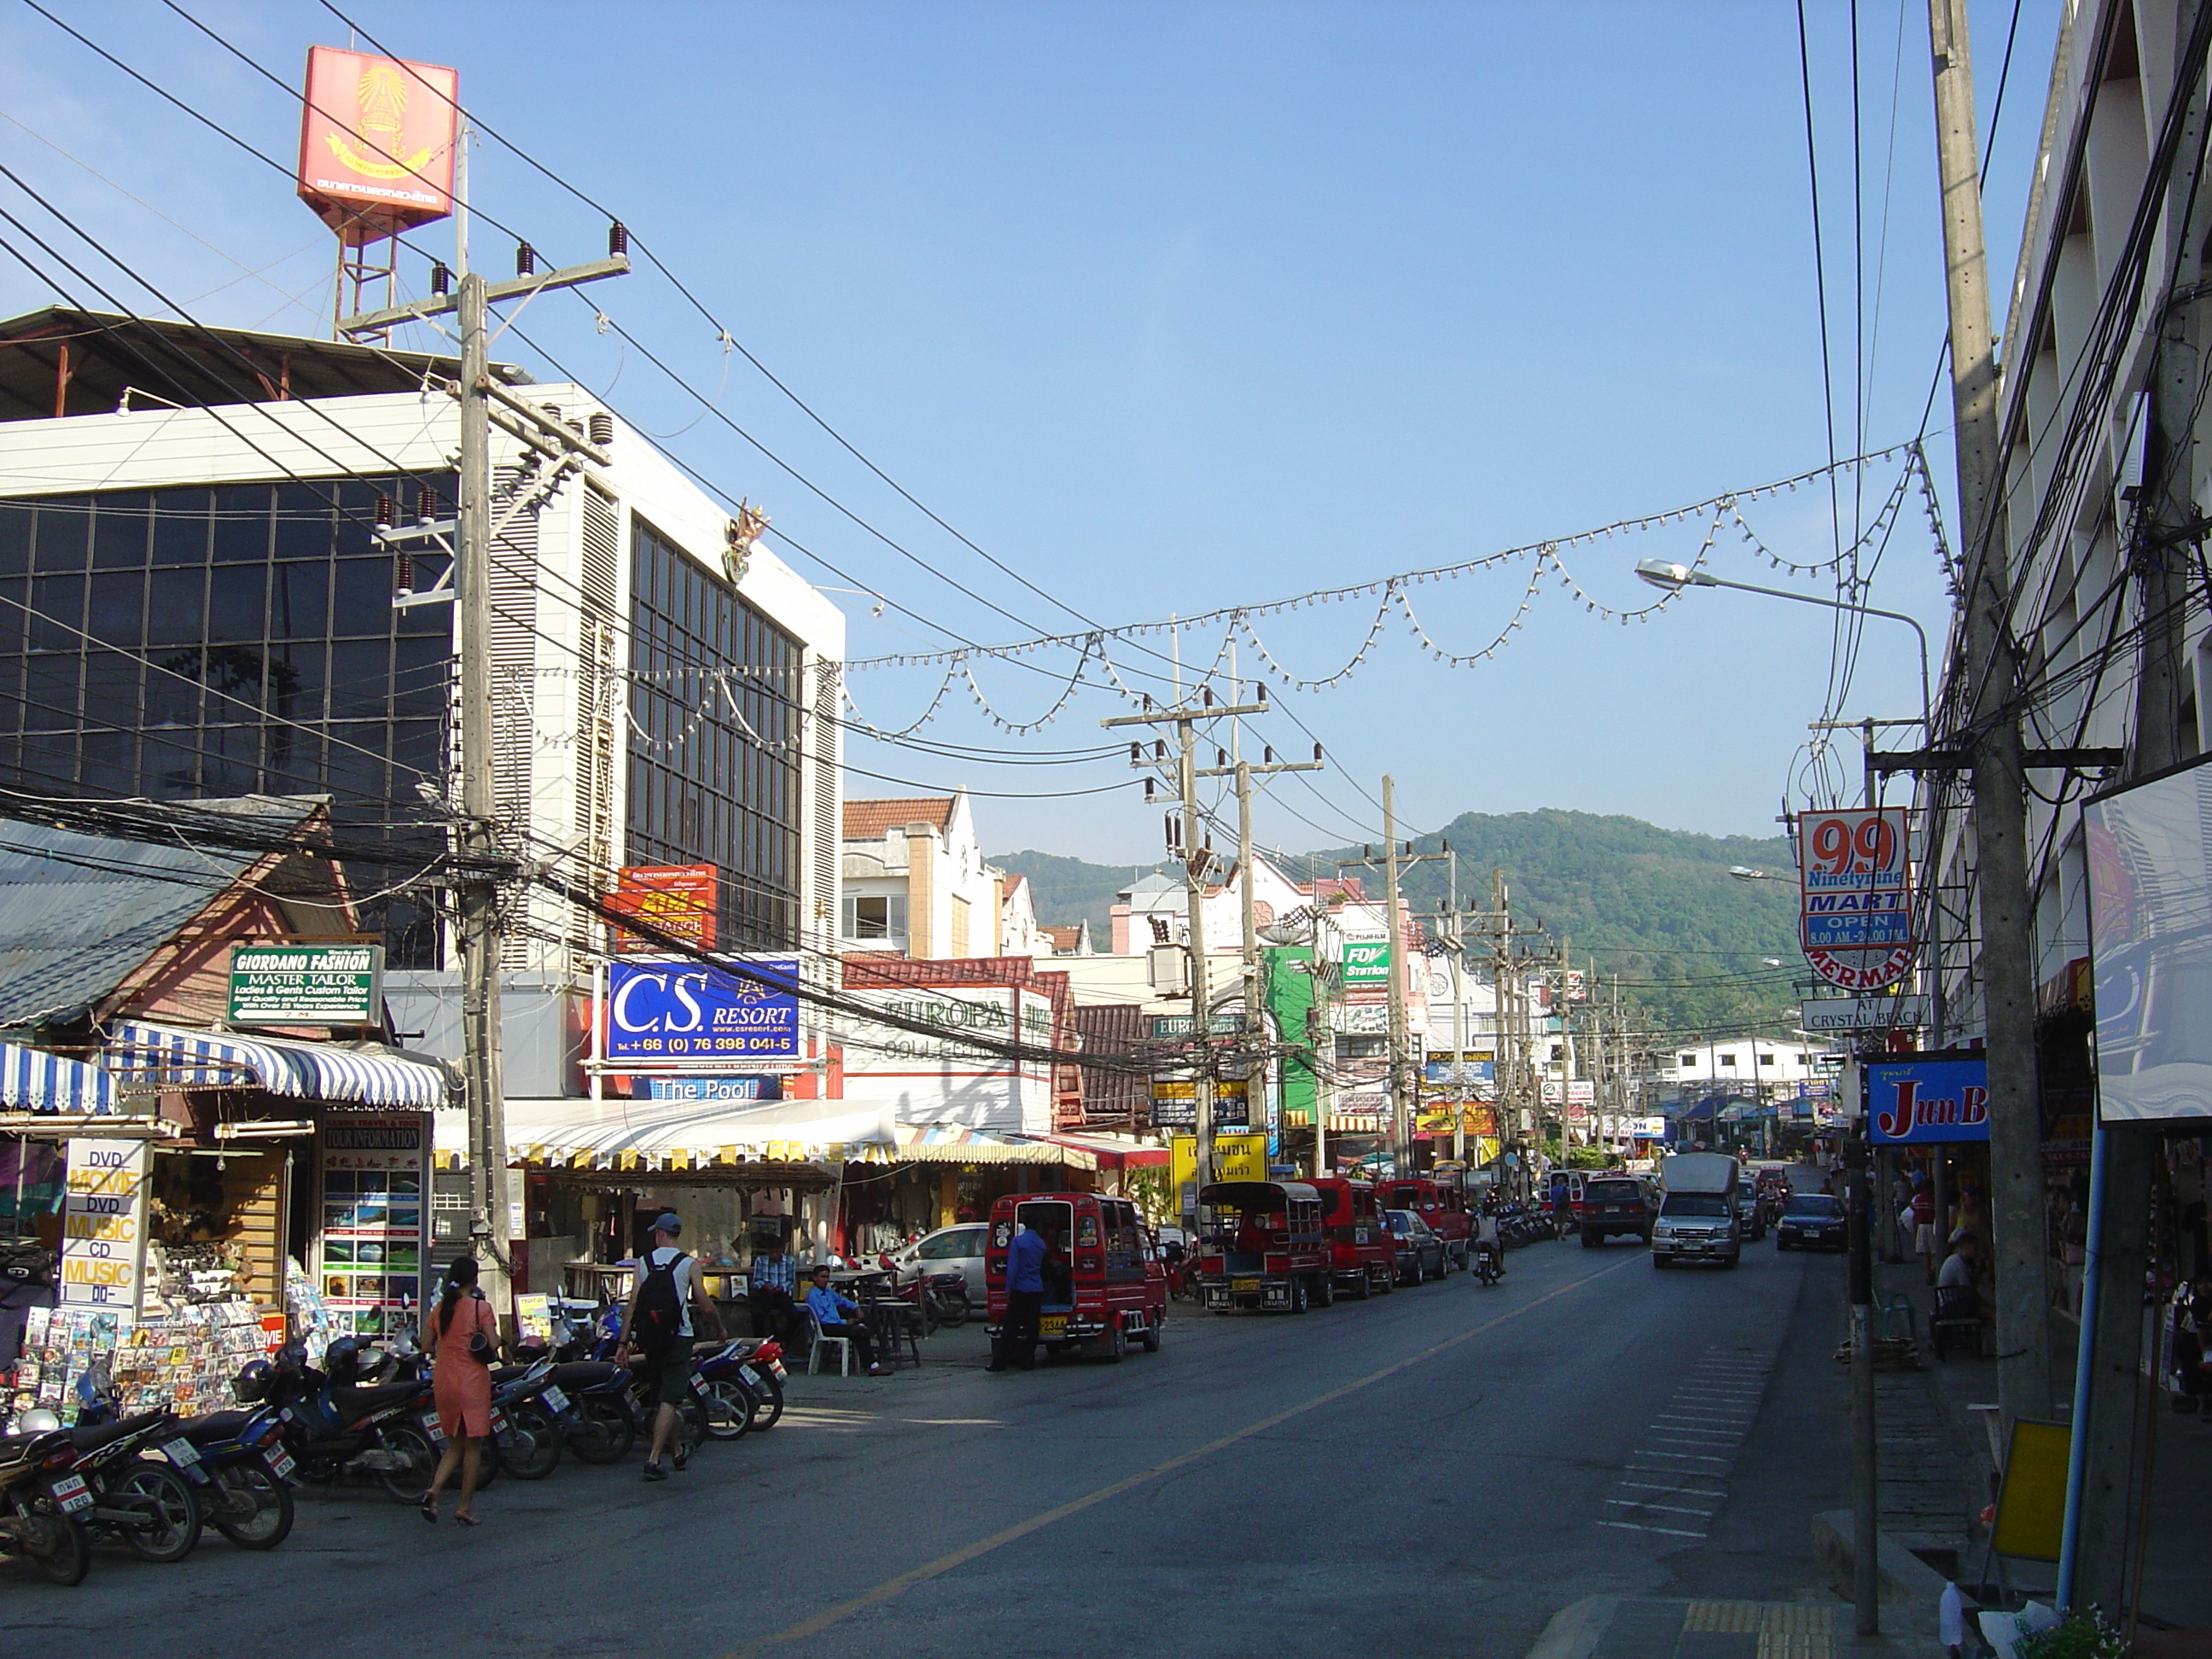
{"x": 1655, "y": 907}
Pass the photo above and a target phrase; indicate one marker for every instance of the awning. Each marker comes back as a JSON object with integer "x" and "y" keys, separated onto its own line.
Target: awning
{"x": 692, "y": 1134}
{"x": 159, "y": 1056}
{"x": 31, "y": 1080}
{"x": 952, "y": 1143}
{"x": 1110, "y": 1152}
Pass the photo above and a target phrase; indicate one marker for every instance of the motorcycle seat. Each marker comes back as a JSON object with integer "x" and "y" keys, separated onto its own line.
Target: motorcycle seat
{"x": 583, "y": 1373}
{"x": 93, "y": 1436}
{"x": 217, "y": 1426}
{"x": 359, "y": 1402}
{"x": 504, "y": 1374}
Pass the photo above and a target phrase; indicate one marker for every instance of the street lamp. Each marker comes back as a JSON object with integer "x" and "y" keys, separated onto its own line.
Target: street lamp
{"x": 1674, "y": 578}
{"x": 1745, "y": 873}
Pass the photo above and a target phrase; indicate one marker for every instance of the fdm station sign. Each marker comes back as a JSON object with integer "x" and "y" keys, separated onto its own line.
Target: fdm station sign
{"x": 307, "y": 985}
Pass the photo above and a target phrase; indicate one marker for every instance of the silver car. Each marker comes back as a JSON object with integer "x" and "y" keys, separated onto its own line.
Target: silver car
{"x": 955, "y": 1249}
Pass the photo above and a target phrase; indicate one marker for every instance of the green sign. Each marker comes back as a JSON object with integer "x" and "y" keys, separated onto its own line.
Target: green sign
{"x": 1366, "y": 964}
{"x": 307, "y": 985}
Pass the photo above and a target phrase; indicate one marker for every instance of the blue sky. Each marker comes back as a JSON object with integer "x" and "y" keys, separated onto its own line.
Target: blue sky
{"x": 1171, "y": 307}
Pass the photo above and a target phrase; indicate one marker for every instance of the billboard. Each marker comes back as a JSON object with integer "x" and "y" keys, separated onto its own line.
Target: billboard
{"x": 675, "y": 899}
{"x": 1922, "y": 1102}
{"x": 306, "y": 985}
{"x": 376, "y": 142}
{"x": 1855, "y": 908}
{"x": 1367, "y": 964}
{"x": 682, "y": 1011}
{"x": 2150, "y": 941}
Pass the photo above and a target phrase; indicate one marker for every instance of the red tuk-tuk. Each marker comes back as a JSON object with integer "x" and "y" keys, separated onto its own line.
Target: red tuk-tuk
{"x": 1442, "y": 1205}
{"x": 1263, "y": 1247}
{"x": 1115, "y": 1292}
{"x": 1363, "y": 1255}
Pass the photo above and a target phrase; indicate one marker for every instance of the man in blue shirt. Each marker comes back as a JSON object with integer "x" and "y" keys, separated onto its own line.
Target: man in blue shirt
{"x": 829, "y": 1308}
{"x": 1017, "y": 1331}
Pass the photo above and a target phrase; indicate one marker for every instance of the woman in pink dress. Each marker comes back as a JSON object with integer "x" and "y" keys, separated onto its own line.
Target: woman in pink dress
{"x": 462, "y": 1383}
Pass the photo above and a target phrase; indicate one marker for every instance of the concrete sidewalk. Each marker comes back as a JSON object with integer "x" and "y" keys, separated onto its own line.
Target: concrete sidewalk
{"x": 1625, "y": 1627}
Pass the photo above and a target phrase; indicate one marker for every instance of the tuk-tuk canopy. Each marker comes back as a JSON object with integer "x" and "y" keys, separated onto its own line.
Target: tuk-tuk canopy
{"x": 1264, "y": 1197}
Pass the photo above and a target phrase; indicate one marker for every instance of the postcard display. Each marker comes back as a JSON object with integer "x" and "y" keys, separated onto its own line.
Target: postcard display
{"x": 373, "y": 1237}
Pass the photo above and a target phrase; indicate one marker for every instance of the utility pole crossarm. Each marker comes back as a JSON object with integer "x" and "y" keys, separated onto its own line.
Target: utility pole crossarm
{"x": 440, "y": 305}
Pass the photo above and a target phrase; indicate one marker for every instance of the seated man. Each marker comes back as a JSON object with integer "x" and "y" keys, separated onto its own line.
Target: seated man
{"x": 771, "y": 1284}
{"x": 1954, "y": 1286}
{"x": 829, "y": 1310}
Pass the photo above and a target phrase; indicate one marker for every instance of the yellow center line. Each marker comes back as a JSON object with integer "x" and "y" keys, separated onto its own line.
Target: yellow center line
{"x": 838, "y": 1613}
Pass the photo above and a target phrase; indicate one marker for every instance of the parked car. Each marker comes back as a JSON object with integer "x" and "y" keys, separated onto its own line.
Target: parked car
{"x": 1613, "y": 1204}
{"x": 958, "y": 1248}
{"x": 1812, "y": 1221}
{"x": 1750, "y": 1212}
{"x": 1421, "y": 1248}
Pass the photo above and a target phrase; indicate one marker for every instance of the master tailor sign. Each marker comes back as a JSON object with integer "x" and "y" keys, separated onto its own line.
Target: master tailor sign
{"x": 686, "y": 1011}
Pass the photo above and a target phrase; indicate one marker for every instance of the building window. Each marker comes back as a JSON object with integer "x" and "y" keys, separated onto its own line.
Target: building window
{"x": 879, "y": 916}
{"x": 1689, "y": 1060}
{"x": 1766, "y": 1060}
{"x": 1728, "y": 1060}
{"x": 229, "y": 640}
{"x": 714, "y": 746}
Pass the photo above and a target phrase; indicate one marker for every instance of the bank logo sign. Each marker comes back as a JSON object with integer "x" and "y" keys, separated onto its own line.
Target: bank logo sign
{"x": 1366, "y": 964}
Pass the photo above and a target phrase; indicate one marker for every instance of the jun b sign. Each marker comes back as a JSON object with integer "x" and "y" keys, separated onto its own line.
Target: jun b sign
{"x": 1914, "y": 1102}
{"x": 685, "y": 1011}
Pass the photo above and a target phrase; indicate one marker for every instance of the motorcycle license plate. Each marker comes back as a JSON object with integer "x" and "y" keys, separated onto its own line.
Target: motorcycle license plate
{"x": 1052, "y": 1325}
{"x": 72, "y": 1494}
{"x": 181, "y": 1452}
{"x": 429, "y": 1422}
{"x": 1243, "y": 1284}
{"x": 498, "y": 1420}
{"x": 281, "y": 1465}
{"x": 556, "y": 1402}
{"x": 776, "y": 1366}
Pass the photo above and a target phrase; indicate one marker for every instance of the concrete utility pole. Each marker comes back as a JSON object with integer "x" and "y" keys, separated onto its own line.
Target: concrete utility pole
{"x": 2007, "y": 963}
{"x": 1197, "y": 858}
{"x": 2107, "y": 1412}
{"x": 485, "y": 404}
{"x": 1402, "y": 1115}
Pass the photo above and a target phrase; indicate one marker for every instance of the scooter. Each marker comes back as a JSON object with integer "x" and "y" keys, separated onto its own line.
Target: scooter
{"x": 139, "y": 1498}
{"x": 1489, "y": 1262}
{"x": 740, "y": 1383}
{"x": 245, "y": 1476}
{"x": 41, "y": 1502}
{"x": 334, "y": 1426}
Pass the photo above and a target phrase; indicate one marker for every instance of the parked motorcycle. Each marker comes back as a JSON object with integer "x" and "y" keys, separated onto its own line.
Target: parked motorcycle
{"x": 238, "y": 1460}
{"x": 333, "y": 1425}
{"x": 41, "y": 1501}
{"x": 140, "y": 1497}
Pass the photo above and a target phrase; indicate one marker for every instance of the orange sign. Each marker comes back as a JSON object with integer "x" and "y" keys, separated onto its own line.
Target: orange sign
{"x": 376, "y": 142}
{"x": 677, "y": 900}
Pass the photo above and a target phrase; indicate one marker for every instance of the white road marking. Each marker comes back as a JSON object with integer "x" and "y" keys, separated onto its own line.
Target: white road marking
{"x": 1672, "y": 1532}
{"x": 1671, "y": 1508}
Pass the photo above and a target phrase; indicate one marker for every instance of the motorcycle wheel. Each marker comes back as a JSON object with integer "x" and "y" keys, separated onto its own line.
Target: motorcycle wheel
{"x": 953, "y": 1310}
{"x": 729, "y": 1406}
{"x": 63, "y": 1549}
{"x": 410, "y": 1444}
{"x": 602, "y": 1430}
{"x": 531, "y": 1445}
{"x": 267, "y": 1520}
{"x": 170, "y": 1507}
{"x": 768, "y": 1408}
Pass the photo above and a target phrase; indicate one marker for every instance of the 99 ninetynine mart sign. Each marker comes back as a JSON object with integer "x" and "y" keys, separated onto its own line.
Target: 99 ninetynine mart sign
{"x": 1856, "y": 895}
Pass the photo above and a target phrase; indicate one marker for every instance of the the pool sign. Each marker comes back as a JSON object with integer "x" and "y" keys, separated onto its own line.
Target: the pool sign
{"x": 1927, "y": 1102}
{"x": 682, "y": 1011}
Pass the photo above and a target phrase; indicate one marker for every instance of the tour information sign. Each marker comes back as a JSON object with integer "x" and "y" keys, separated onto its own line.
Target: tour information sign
{"x": 307, "y": 985}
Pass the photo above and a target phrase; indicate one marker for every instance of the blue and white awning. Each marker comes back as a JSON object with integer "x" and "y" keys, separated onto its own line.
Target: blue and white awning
{"x": 31, "y": 1080}
{"x": 159, "y": 1056}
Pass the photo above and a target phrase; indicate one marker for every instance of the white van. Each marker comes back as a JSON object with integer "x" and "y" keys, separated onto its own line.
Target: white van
{"x": 1697, "y": 1219}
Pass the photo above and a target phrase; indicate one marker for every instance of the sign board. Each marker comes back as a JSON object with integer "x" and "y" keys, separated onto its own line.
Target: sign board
{"x": 376, "y": 142}
{"x": 713, "y": 1088}
{"x": 2031, "y": 1518}
{"x": 1175, "y": 1104}
{"x": 1372, "y": 1019}
{"x": 1579, "y": 1091}
{"x": 1436, "y": 1118}
{"x": 2150, "y": 933}
{"x": 1902, "y": 1013}
{"x": 682, "y": 1011}
{"x": 371, "y": 1244}
{"x": 1927, "y": 1102}
{"x": 307, "y": 985}
{"x": 1855, "y": 896}
{"x": 1367, "y": 964}
{"x": 1236, "y": 1157}
{"x": 1648, "y": 1128}
{"x": 104, "y": 1226}
{"x": 675, "y": 899}
{"x": 1168, "y": 1026}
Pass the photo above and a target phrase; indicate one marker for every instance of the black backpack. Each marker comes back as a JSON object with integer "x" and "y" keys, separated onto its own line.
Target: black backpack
{"x": 659, "y": 1319}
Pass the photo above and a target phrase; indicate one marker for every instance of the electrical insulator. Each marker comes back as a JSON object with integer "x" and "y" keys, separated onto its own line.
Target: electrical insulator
{"x": 402, "y": 576}
{"x": 526, "y": 259}
{"x": 1205, "y": 696}
{"x": 1171, "y": 831}
{"x": 1149, "y": 796}
{"x": 1260, "y": 688}
{"x": 1443, "y": 845}
{"x": 1136, "y": 753}
{"x": 387, "y": 512}
{"x": 603, "y": 428}
{"x": 1221, "y": 757}
{"x": 1316, "y": 751}
{"x": 617, "y": 240}
{"x": 1270, "y": 758}
{"x": 426, "y": 505}
{"x": 441, "y": 279}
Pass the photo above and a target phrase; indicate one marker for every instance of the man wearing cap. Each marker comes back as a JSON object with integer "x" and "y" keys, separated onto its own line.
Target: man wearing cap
{"x": 667, "y": 1354}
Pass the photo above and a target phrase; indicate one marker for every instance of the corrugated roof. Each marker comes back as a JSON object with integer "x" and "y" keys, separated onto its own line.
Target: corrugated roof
{"x": 78, "y": 913}
{"x": 871, "y": 820}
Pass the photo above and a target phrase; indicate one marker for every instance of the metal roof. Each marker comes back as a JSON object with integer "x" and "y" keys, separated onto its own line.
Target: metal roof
{"x": 79, "y": 913}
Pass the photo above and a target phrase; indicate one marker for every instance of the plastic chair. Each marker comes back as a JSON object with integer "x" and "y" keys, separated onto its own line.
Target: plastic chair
{"x": 843, "y": 1344}
{"x": 1957, "y": 1315}
{"x": 1900, "y": 1320}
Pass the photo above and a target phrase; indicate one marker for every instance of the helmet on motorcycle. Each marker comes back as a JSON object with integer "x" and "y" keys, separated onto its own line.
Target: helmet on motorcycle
{"x": 251, "y": 1385}
{"x": 341, "y": 1360}
{"x": 37, "y": 1420}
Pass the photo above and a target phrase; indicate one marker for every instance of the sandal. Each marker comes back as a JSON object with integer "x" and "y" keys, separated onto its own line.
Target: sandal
{"x": 467, "y": 1521}
{"x": 428, "y": 1507}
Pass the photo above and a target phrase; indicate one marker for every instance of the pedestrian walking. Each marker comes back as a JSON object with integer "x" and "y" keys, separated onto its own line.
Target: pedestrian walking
{"x": 666, "y": 1307}
{"x": 465, "y": 1339}
{"x": 829, "y": 1307}
{"x": 1920, "y": 1213}
{"x": 1017, "y": 1340}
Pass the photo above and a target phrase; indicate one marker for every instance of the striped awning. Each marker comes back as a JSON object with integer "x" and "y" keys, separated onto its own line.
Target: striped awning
{"x": 31, "y": 1080}
{"x": 160, "y": 1056}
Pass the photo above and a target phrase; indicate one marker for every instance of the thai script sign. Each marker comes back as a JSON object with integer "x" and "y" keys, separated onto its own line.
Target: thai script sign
{"x": 676, "y": 899}
{"x": 376, "y": 142}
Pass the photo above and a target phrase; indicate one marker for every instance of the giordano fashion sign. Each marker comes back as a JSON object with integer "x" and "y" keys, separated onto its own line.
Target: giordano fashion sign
{"x": 307, "y": 985}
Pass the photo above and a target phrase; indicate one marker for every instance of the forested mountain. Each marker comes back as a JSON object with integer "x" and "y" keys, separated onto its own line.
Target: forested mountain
{"x": 1655, "y": 907}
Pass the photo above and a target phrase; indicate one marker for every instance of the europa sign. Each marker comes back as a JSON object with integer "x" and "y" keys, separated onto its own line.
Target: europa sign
{"x": 376, "y": 142}
{"x": 1924, "y": 1102}
{"x": 1856, "y": 899}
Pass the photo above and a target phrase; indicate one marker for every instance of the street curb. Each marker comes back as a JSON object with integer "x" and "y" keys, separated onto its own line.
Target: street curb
{"x": 1904, "y": 1577}
{"x": 1575, "y": 1630}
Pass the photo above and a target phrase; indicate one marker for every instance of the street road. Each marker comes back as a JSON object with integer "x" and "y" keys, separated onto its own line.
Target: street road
{"x": 1435, "y": 1473}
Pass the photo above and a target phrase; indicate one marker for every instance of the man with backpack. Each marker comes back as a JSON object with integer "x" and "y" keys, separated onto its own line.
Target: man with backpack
{"x": 659, "y": 1323}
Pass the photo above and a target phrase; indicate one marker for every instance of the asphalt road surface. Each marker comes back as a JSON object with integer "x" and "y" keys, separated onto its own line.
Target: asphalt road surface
{"x": 1434, "y": 1472}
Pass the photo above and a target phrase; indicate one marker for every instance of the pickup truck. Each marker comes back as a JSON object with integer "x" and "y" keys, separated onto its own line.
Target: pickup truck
{"x": 1697, "y": 1219}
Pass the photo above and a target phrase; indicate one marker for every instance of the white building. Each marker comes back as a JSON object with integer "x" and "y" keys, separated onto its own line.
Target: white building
{"x": 916, "y": 884}
{"x": 1745, "y": 1063}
